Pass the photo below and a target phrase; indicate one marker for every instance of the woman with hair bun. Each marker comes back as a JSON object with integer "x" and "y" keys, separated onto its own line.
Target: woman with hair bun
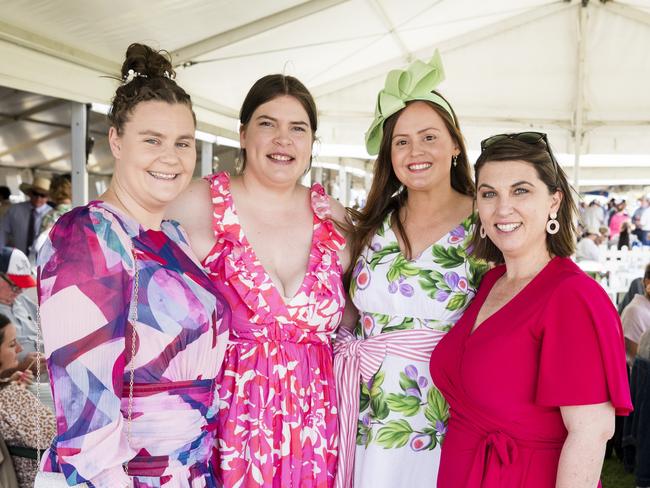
{"x": 134, "y": 330}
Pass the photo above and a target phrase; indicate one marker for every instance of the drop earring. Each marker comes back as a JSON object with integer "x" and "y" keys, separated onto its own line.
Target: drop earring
{"x": 552, "y": 226}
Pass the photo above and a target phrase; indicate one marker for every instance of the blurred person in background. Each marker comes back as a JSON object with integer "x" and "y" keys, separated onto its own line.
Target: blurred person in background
{"x": 593, "y": 218}
{"x": 61, "y": 197}
{"x": 588, "y": 248}
{"x": 21, "y": 414}
{"x": 15, "y": 278}
{"x": 644, "y": 223}
{"x": 636, "y": 318}
{"x": 21, "y": 224}
{"x": 5, "y": 203}
{"x": 617, "y": 219}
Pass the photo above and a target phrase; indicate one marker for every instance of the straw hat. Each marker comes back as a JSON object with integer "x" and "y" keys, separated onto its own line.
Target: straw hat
{"x": 40, "y": 184}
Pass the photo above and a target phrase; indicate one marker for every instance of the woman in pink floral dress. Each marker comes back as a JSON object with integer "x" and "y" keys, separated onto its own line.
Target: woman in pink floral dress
{"x": 273, "y": 249}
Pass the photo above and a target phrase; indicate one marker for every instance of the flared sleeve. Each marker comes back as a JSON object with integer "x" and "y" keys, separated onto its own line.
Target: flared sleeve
{"x": 582, "y": 356}
{"x": 86, "y": 272}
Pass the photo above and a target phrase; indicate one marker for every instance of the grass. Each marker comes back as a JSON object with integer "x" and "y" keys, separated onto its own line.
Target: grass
{"x": 613, "y": 475}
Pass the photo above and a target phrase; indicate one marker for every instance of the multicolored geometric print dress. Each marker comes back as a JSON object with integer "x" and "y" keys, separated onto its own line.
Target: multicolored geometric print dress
{"x": 86, "y": 285}
{"x": 403, "y": 416}
{"x": 277, "y": 423}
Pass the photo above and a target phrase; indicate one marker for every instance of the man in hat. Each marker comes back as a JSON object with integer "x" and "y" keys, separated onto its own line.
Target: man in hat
{"x": 21, "y": 225}
{"x": 16, "y": 276}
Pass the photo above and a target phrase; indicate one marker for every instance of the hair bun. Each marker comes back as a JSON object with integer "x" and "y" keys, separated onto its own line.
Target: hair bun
{"x": 145, "y": 61}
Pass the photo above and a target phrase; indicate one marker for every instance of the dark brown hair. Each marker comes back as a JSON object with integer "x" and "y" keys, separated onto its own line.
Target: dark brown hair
{"x": 387, "y": 194}
{"x": 4, "y": 321}
{"x": 272, "y": 86}
{"x": 61, "y": 189}
{"x": 549, "y": 171}
{"x": 155, "y": 81}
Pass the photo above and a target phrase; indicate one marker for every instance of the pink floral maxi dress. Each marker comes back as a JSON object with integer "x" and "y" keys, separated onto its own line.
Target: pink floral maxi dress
{"x": 277, "y": 423}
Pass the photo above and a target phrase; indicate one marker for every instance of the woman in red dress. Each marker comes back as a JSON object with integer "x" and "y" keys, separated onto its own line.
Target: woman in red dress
{"x": 534, "y": 371}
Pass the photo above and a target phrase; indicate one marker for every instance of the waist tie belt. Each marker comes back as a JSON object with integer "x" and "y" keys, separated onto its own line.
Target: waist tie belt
{"x": 314, "y": 341}
{"x": 170, "y": 387}
{"x": 355, "y": 359}
{"x": 157, "y": 465}
{"x": 495, "y": 453}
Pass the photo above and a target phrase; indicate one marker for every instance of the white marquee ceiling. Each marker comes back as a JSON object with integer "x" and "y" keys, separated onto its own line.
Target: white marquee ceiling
{"x": 578, "y": 70}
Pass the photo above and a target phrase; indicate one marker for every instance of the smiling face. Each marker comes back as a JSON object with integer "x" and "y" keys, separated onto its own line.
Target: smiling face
{"x": 514, "y": 205}
{"x": 9, "y": 349}
{"x": 422, "y": 148}
{"x": 278, "y": 141}
{"x": 155, "y": 154}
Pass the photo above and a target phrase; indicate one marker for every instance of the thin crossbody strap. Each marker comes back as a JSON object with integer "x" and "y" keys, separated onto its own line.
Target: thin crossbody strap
{"x": 133, "y": 318}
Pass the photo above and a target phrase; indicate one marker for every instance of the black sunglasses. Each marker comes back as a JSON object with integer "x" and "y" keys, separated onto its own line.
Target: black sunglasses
{"x": 14, "y": 287}
{"x": 526, "y": 137}
{"x": 39, "y": 195}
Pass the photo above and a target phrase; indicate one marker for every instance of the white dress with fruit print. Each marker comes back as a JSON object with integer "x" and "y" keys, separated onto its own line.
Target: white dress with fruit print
{"x": 402, "y": 419}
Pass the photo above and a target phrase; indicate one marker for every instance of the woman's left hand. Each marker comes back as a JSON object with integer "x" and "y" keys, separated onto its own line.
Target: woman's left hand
{"x": 23, "y": 378}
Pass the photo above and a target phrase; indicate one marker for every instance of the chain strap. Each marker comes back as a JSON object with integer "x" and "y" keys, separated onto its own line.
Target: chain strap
{"x": 133, "y": 317}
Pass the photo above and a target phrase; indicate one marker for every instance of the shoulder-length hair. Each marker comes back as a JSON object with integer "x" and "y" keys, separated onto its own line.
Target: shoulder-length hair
{"x": 539, "y": 155}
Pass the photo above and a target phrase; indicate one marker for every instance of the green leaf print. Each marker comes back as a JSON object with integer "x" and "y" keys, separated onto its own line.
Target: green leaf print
{"x": 381, "y": 318}
{"x": 394, "y": 434}
{"x": 432, "y": 281}
{"x": 457, "y": 301}
{"x": 401, "y": 267}
{"x": 377, "y": 381}
{"x": 477, "y": 268}
{"x": 407, "y": 405}
{"x": 364, "y": 399}
{"x": 405, "y": 382}
{"x": 437, "y": 408}
{"x": 378, "y": 407}
{"x": 382, "y": 253}
{"x": 450, "y": 257}
{"x": 406, "y": 324}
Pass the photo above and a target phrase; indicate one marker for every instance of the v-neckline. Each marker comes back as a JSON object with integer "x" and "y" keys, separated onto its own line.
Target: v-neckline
{"x": 287, "y": 301}
{"x": 473, "y": 328}
{"x": 387, "y": 225}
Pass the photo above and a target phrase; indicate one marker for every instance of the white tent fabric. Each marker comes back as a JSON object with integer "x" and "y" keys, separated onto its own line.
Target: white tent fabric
{"x": 579, "y": 70}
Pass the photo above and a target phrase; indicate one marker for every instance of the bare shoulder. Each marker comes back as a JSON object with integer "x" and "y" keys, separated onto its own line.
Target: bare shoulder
{"x": 191, "y": 203}
{"x": 193, "y": 210}
{"x": 338, "y": 210}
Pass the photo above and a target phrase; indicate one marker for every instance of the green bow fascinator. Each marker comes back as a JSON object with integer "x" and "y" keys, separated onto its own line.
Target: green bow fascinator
{"x": 415, "y": 83}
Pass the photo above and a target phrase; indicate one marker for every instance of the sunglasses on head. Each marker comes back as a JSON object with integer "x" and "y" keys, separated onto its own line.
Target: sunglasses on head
{"x": 529, "y": 137}
{"x": 526, "y": 137}
{"x": 14, "y": 287}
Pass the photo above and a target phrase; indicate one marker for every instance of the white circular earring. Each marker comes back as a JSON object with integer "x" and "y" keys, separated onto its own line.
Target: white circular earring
{"x": 552, "y": 226}
{"x": 482, "y": 232}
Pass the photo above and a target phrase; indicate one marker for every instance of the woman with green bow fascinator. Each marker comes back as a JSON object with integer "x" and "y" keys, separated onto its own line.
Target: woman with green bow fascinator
{"x": 411, "y": 279}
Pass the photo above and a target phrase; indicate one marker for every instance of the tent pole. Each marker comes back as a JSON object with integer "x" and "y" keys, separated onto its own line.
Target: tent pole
{"x": 79, "y": 134}
{"x": 207, "y": 154}
{"x": 580, "y": 95}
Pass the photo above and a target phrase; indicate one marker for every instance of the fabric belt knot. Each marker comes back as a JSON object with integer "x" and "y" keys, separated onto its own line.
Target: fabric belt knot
{"x": 356, "y": 359}
{"x": 486, "y": 472}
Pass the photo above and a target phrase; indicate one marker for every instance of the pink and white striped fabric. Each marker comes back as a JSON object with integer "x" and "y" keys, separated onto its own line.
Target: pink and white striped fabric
{"x": 361, "y": 358}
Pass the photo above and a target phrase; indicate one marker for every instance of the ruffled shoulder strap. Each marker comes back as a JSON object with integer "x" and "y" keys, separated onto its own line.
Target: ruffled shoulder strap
{"x": 330, "y": 236}
{"x": 224, "y": 221}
